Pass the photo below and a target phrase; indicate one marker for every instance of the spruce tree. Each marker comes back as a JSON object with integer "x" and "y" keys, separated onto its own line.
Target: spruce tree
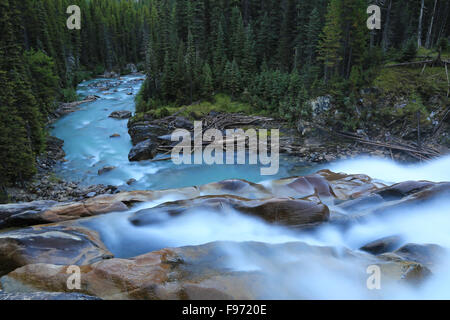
{"x": 330, "y": 39}
{"x": 207, "y": 85}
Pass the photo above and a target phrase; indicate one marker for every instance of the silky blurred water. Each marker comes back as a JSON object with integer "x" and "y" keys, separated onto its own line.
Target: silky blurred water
{"x": 89, "y": 148}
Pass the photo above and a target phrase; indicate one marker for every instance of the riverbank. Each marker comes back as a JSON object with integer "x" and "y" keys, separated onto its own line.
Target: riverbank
{"x": 47, "y": 184}
{"x": 97, "y": 169}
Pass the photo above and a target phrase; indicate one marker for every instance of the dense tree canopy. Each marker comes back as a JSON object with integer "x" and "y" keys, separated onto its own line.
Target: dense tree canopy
{"x": 266, "y": 48}
{"x": 273, "y": 54}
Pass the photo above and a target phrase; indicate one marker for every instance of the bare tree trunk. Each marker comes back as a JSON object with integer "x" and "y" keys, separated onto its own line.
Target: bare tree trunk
{"x": 430, "y": 28}
{"x": 444, "y": 21}
{"x": 419, "y": 35}
{"x": 386, "y": 27}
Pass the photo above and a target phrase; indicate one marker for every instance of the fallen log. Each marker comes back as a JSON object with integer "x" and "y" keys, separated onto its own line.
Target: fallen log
{"x": 420, "y": 153}
{"x": 409, "y": 63}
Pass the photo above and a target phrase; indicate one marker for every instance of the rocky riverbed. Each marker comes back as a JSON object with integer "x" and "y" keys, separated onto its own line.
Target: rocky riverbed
{"x": 48, "y": 237}
{"x": 143, "y": 229}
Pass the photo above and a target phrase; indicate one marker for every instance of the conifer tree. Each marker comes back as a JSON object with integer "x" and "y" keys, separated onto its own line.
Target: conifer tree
{"x": 330, "y": 39}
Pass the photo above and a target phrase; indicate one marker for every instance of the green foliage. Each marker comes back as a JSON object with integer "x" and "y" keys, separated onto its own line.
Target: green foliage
{"x": 267, "y": 56}
{"x": 69, "y": 95}
{"x": 407, "y": 81}
{"x": 42, "y": 68}
{"x": 410, "y": 50}
{"x": 415, "y": 105}
{"x": 443, "y": 44}
{"x": 330, "y": 44}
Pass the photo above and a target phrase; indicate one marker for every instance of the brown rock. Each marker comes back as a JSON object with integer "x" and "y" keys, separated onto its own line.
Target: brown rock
{"x": 54, "y": 244}
{"x": 288, "y": 212}
{"x": 199, "y": 272}
{"x": 43, "y": 212}
{"x": 403, "y": 189}
{"x": 382, "y": 245}
{"x": 106, "y": 169}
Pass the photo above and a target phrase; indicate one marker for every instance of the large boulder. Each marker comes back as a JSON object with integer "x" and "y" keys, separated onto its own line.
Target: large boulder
{"x": 426, "y": 193}
{"x": 288, "y": 212}
{"x": 236, "y": 187}
{"x": 144, "y": 150}
{"x": 382, "y": 245}
{"x": 403, "y": 189}
{"x": 43, "y": 212}
{"x": 320, "y": 105}
{"x": 55, "y": 244}
{"x": 142, "y": 131}
{"x": 123, "y": 114}
{"x": 20, "y": 214}
{"x": 219, "y": 270}
{"x": 326, "y": 185}
{"x": 182, "y": 123}
{"x": 131, "y": 67}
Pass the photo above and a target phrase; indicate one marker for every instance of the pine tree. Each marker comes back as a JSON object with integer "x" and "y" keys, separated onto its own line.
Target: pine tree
{"x": 249, "y": 60}
{"x": 330, "y": 44}
{"x": 285, "y": 47}
{"x": 191, "y": 65}
{"x": 238, "y": 35}
{"x": 219, "y": 57}
{"x": 235, "y": 80}
{"x": 313, "y": 32}
{"x": 20, "y": 133}
{"x": 207, "y": 86}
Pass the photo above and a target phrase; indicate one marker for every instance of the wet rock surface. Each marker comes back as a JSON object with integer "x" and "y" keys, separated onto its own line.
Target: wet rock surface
{"x": 121, "y": 115}
{"x": 144, "y": 150}
{"x": 57, "y": 244}
{"x": 34, "y": 260}
{"x": 196, "y": 272}
{"x": 383, "y": 245}
{"x": 287, "y": 212}
{"x": 45, "y": 296}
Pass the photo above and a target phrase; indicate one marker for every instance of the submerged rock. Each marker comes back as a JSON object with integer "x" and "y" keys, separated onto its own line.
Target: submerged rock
{"x": 382, "y": 245}
{"x": 106, "y": 169}
{"x": 131, "y": 181}
{"x": 400, "y": 190}
{"x": 426, "y": 254}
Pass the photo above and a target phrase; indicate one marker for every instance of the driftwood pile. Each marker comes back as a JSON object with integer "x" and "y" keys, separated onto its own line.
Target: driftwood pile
{"x": 223, "y": 121}
{"x": 415, "y": 151}
{"x": 219, "y": 121}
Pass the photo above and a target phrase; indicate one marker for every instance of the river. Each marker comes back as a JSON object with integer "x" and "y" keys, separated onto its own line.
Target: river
{"x": 89, "y": 147}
